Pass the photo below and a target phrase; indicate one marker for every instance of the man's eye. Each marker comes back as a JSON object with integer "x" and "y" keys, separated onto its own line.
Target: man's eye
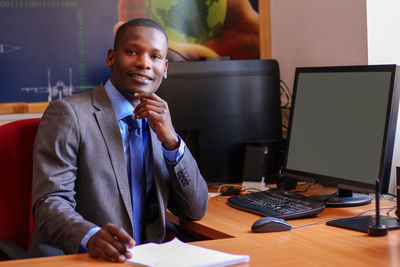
{"x": 156, "y": 57}
{"x": 131, "y": 52}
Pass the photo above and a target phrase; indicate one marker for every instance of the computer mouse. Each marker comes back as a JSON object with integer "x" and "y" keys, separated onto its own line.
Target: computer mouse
{"x": 270, "y": 224}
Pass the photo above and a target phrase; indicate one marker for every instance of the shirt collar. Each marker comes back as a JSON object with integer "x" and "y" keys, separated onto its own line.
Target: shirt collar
{"x": 121, "y": 105}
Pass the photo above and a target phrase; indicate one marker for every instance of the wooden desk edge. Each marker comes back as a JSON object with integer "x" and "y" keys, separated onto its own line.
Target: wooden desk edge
{"x": 23, "y": 107}
{"x": 197, "y": 228}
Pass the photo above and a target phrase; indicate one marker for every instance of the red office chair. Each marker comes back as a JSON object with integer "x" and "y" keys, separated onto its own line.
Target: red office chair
{"x": 16, "y": 221}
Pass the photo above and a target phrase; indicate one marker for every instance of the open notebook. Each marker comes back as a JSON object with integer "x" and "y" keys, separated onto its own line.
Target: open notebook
{"x": 176, "y": 253}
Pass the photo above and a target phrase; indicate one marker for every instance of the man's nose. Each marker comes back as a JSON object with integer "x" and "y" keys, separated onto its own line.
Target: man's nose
{"x": 143, "y": 61}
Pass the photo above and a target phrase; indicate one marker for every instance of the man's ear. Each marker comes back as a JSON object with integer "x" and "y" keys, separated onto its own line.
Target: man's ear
{"x": 110, "y": 58}
{"x": 166, "y": 68}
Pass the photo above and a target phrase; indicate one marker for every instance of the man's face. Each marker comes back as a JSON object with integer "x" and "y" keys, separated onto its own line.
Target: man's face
{"x": 139, "y": 62}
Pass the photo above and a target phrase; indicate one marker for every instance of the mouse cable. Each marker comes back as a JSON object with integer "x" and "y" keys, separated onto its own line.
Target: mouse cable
{"x": 387, "y": 213}
{"x": 309, "y": 224}
{"x": 392, "y": 208}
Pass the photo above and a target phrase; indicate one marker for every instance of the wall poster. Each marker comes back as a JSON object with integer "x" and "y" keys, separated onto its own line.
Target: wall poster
{"x": 50, "y": 49}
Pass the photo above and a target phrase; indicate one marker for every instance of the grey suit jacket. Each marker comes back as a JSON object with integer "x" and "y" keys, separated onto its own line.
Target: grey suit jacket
{"x": 80, "y": 179}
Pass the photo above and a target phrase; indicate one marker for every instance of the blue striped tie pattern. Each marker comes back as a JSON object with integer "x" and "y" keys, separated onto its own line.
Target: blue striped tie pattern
{"x": 137, "y": 176}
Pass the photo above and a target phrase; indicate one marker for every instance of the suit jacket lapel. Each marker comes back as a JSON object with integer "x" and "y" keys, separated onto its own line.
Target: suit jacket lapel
{"x": 109, "y": 128}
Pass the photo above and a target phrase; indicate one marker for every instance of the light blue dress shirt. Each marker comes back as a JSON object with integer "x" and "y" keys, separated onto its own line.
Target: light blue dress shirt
{"x": 123, "y": 108}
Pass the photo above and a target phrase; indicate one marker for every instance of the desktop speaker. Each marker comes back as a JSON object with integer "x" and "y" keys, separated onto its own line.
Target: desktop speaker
{"x": 262, "y": 159}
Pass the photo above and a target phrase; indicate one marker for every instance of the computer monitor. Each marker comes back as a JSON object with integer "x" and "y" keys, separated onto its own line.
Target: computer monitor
{"x": 218, "y": 107}
{"x": 342, "y": 129}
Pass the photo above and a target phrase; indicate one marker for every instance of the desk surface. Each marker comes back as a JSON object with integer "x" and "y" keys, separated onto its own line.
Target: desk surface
{"x": 316, "y": 245}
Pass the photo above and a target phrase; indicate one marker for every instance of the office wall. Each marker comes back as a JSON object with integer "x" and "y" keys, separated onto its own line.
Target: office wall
{"x": 317, "y": 33}
{"x": 383, "y": 31}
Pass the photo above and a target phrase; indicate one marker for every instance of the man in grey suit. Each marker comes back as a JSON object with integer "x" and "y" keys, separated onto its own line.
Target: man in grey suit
{"x": 82, "y": 198}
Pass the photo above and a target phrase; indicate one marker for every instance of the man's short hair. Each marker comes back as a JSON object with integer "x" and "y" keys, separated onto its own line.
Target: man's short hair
{"x": 145, "y": 22}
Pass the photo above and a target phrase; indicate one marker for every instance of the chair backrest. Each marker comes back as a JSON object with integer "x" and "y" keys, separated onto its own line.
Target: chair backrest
{"x": 16, "y": 151}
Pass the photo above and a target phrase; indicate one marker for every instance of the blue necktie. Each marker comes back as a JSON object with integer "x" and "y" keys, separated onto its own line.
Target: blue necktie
{"x": 137, "y": 176}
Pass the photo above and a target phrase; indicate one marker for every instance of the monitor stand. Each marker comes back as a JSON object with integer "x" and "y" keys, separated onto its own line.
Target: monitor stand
{"x": 344, "y": 198}
{"x": 362, "y": 223}
{"x": 374, "y": 225}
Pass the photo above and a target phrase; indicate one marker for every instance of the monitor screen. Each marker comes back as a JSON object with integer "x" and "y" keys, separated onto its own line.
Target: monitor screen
{"x": 218, "y": 107}
{"x": 342, "y": 126}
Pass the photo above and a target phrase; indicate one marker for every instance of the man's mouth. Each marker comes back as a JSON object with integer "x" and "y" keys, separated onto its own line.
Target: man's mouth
{"x": 140, "y": 76}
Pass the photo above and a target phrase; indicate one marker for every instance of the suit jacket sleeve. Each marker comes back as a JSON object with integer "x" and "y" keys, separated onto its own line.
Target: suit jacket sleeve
{"x": 54, "y": 176}
{"x": 189, "y": 196}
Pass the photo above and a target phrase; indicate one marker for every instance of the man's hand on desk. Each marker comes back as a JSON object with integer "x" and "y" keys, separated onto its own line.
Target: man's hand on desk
{"x": 110, "y": 244}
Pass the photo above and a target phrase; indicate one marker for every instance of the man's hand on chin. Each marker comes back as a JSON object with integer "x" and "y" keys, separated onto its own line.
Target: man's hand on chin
{"x": 156, "y": 110}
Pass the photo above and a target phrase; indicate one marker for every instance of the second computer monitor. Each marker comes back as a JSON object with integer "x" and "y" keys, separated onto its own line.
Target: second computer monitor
{"x": 220, "y": 106}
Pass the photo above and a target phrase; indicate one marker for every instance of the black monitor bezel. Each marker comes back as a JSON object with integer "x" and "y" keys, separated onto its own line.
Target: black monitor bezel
{"x": 231, "y": 70}
{"x": 389, "y": 134}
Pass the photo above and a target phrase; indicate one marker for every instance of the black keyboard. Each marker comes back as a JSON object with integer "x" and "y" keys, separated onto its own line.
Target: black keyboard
{"x": 277, "y": 203}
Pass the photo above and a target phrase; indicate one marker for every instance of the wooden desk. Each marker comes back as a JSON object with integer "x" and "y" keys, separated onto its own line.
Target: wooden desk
{"x": 316, "y": 245}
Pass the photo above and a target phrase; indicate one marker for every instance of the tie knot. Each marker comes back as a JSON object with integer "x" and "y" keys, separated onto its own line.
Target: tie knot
{"x": 133, "y": 124}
